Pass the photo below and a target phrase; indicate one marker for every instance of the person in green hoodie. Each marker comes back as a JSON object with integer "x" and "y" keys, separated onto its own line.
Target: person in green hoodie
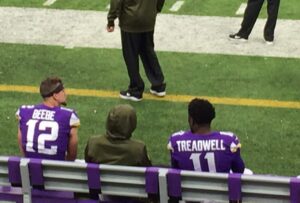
{"x": 116, "y": 146}
{"x": 137, "y": 21}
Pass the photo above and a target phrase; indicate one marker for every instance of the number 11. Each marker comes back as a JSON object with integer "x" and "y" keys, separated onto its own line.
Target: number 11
{"x": 210, "y": 158}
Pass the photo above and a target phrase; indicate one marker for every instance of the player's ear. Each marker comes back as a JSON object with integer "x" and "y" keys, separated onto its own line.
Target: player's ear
{"x": 55, "y": 96}
{"x": 191, "y": 121}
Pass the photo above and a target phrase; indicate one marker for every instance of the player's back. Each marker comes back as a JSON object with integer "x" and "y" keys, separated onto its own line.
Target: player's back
{"x": 214, "y": 152}
{"x": 46, "y": 130}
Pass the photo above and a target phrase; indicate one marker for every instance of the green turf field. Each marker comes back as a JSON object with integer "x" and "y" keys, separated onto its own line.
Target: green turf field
{"x": 270, "y": 136}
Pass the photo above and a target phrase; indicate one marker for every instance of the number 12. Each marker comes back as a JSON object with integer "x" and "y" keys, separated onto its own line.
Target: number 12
{"x": 43, "y": 137}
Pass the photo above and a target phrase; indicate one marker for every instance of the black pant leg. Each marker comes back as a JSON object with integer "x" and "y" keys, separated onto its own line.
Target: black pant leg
{"x": 250, "y": 16}
{"x": 150, "y": 61}
{"x": 130, "y": 48}
{"x": 273, "y": 7}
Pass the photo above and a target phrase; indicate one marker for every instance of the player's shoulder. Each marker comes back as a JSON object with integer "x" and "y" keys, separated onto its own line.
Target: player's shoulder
{"x": 228, "y": 134}
{"x": 27, "y": 107}
{"x": 232, "y": 140}
{"x": 67, "y": 109}
{"x": 178, "y": 133}
{"x": 68, "y": 112}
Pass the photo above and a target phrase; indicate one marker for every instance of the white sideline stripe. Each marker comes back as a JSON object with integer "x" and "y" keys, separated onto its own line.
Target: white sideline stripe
{"x": 176, "y": 6}
{"x": 108, "y": 7}
{"x": 241, "y": 9}
{"x": 49, "y": 2}
{"x": 58, "y": 27}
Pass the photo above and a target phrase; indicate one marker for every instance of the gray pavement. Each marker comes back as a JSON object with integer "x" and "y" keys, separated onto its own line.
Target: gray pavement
{"x": 175, "y": 33}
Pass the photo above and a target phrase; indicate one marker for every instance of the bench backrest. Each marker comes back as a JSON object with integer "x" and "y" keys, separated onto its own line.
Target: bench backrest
{"x": 195, "y": 186}
{"x": 124, "y": 181}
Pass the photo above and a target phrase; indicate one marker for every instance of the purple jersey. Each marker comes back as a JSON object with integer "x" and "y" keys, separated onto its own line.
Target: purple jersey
{"x": 215, "y": 152}
{"x": 45, "y": 130}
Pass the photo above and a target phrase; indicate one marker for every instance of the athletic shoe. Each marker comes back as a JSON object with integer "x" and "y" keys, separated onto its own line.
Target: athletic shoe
{"x": 131, "y": 95}
{"x": 269, "y": 42}
{"x": 237, "y": 37}
{"x": 159, "y": 91}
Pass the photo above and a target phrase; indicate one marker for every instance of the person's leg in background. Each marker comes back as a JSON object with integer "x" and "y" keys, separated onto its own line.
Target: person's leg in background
{"x": 151, "y": 64}
{"x": 273, "y": 8}
{"x": 130, "y": 48}
{"x": 250, "y": 16}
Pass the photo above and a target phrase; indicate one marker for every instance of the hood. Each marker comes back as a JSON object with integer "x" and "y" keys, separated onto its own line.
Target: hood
{"x": 121, "y": 122}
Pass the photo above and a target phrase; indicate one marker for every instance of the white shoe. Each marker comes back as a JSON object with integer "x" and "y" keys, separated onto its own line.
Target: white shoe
{"x": 156, "y": 93}
{"x": 236, "y": 37}
{"x": 269, "y": 42}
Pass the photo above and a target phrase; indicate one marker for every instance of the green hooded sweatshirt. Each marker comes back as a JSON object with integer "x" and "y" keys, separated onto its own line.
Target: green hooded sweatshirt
{"x": 116, "y": 146}
{"x": 134, "y": 15}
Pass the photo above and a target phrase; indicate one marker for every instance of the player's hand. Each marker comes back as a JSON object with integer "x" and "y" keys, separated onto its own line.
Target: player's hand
{"x": 110, "y": 28}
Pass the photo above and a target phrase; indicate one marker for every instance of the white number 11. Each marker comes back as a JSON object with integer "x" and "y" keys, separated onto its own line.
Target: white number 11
{"x": 210, "y": 158}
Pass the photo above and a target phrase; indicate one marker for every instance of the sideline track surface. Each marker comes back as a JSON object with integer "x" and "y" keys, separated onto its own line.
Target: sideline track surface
{"x": 174, "y": 33}
{"x": 168, "y": 98}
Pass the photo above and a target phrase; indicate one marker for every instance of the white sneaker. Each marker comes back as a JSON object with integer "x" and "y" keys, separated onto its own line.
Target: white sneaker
{"x": 269, "y": 42}
{"x": 156, "y": 93}
{"x": 159, "y": 91}
{"x": 236, "y": 37}
{"x": 131, "y": 95}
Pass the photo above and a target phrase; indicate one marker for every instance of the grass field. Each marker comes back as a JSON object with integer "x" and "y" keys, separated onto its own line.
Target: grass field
{"x": 270, "y": 136}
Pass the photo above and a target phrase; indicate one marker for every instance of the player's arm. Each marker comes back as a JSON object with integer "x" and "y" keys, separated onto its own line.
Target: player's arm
{"x": 72, "y": 146}
{"x": 18, "y": 117}
{"x": 238, "y": 165}
{"x": 174, "y": 163}
{"x": 20, "y": 142}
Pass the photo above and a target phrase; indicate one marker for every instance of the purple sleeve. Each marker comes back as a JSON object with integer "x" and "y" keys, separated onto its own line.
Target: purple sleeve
{"x": 238, "y": 165}
{"x": 174, "y": 163}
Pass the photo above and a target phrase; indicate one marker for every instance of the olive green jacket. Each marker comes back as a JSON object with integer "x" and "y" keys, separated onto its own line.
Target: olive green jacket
{"x": 105, "y": 150}
{"x": 116, "y": 146}
{"x": 134, "y": 15}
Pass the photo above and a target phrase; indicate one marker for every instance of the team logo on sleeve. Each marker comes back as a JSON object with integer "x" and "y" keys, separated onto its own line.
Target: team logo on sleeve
{"x": 234, "y": 147}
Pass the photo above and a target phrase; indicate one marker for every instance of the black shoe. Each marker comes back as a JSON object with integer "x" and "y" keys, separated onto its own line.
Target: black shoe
{"x": 131, "y": 95}
{"x": 237, "y": 37}
{"x": 159, "y": 91}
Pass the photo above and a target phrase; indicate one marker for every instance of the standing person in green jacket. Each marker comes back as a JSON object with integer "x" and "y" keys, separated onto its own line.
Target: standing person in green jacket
{"x": 137, "y": 21}
{"x": 116, "y": 146}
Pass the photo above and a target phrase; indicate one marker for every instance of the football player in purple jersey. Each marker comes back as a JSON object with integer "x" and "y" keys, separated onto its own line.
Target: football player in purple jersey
{"x": 201, "y": 148}
{"x": 48, "y": 130}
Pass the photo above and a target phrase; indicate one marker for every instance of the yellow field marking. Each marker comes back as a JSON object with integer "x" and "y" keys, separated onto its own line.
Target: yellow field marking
{"x": 169, "y": 98}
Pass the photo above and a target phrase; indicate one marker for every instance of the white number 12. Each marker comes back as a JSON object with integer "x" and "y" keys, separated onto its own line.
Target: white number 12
{"x": 43, "y": 137}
